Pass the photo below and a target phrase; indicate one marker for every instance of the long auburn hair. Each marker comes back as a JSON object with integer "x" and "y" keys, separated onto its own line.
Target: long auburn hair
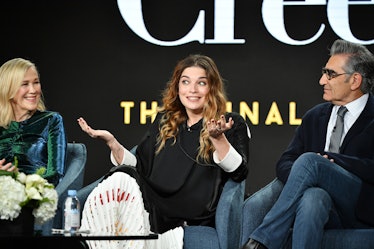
{"x": 175, "y": 113}
{"x": 12, "y": 74}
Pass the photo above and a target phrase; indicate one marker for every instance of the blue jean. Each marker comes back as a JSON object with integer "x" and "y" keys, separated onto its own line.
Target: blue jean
{"x": 315, "y": 185}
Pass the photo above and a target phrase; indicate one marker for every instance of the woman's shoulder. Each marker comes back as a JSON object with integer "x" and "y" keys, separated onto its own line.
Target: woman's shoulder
{"x": 48, "y": 115}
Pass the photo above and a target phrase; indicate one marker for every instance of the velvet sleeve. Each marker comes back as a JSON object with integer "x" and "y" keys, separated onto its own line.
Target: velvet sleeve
{"x": 56, "y": 149}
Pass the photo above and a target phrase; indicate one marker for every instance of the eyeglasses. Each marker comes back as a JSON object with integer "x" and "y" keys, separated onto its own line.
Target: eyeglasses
{"x": 330, "y": 74}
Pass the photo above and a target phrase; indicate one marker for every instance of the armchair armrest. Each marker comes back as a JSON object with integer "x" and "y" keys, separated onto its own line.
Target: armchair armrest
{"x": 257, "y": 205}
{"x": 76, "y": 156}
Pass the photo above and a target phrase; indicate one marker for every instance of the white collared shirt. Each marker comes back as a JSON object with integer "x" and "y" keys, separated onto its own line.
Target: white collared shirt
{"x": 354, "y": 110}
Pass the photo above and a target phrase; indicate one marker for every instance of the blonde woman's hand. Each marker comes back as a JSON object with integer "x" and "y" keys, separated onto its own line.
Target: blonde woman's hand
{"x": 7, "y": 166}
{"x": 217, "y": 127}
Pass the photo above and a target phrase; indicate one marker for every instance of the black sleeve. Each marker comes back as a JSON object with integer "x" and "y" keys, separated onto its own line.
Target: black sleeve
{"x": 239, "y": 138}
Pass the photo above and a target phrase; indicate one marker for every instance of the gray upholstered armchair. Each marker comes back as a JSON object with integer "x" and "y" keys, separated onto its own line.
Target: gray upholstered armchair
{"x": 257, "y": 205}
{"x": 226, "y": 235}
{"x": 76, "y": 156}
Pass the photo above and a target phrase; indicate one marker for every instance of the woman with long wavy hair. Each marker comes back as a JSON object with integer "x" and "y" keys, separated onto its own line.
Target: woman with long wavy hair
{"x": 180, "y": 166}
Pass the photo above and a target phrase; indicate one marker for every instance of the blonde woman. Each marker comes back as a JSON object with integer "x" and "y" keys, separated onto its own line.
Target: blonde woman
{"x": 30, "y": 135}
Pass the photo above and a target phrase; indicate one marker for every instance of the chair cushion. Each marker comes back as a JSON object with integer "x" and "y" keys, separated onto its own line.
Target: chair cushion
{"x": 348, "y": 239}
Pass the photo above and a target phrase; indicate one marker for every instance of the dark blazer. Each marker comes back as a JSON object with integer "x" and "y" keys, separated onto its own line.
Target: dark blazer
{"x": 356, "y": 153}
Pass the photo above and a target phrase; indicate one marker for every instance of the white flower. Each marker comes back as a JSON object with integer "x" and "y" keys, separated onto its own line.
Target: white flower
{"x": 47, "y": 209}
{"x": 18, "y": 190}
{"x": 21, "y": 177}
{"x": 12, "y": 193}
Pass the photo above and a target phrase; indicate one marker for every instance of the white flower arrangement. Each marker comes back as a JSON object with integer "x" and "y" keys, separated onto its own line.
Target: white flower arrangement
{"x": 19, "y": 190}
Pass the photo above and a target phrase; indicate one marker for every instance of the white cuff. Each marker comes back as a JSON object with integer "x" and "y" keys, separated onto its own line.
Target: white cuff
{"x": 128, "y": 158}
{"x": 230, "y": 162}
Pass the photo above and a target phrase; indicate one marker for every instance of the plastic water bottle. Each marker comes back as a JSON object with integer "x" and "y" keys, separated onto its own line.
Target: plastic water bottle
{"x": 72, "y": 212}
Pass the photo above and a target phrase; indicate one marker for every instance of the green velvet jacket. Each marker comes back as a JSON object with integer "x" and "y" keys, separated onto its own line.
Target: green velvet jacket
{"x": 39, "y": 141}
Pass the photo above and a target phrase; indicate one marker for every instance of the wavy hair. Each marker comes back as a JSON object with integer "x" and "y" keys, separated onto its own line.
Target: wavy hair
{"x": 12, "y": 74}
{"x": 175, "y": 113}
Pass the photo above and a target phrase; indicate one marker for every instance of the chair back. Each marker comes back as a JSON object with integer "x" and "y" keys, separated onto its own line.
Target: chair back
{"x": 76, "y": 157}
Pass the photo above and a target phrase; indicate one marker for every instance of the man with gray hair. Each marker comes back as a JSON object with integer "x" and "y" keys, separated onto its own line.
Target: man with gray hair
{"x": 328, "y": 168}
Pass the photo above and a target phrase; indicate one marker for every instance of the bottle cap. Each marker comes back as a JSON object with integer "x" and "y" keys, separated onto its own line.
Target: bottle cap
{"x": 72, "y": 192}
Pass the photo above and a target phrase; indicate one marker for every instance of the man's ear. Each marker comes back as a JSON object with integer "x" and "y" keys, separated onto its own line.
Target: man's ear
{"x": 356, "y": 81}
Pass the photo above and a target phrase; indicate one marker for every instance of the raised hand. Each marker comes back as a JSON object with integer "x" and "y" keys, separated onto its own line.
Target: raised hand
{"x": 103, "y": 134}
{"x": 217, "y": 127}
{"x": 111, "y": 141}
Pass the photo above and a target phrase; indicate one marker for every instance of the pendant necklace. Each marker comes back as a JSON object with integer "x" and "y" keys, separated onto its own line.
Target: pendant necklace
{"x": 188, "y": 127}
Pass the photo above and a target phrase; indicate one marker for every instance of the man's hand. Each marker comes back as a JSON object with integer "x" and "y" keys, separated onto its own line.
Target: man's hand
{"x": 327, "y": 157}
